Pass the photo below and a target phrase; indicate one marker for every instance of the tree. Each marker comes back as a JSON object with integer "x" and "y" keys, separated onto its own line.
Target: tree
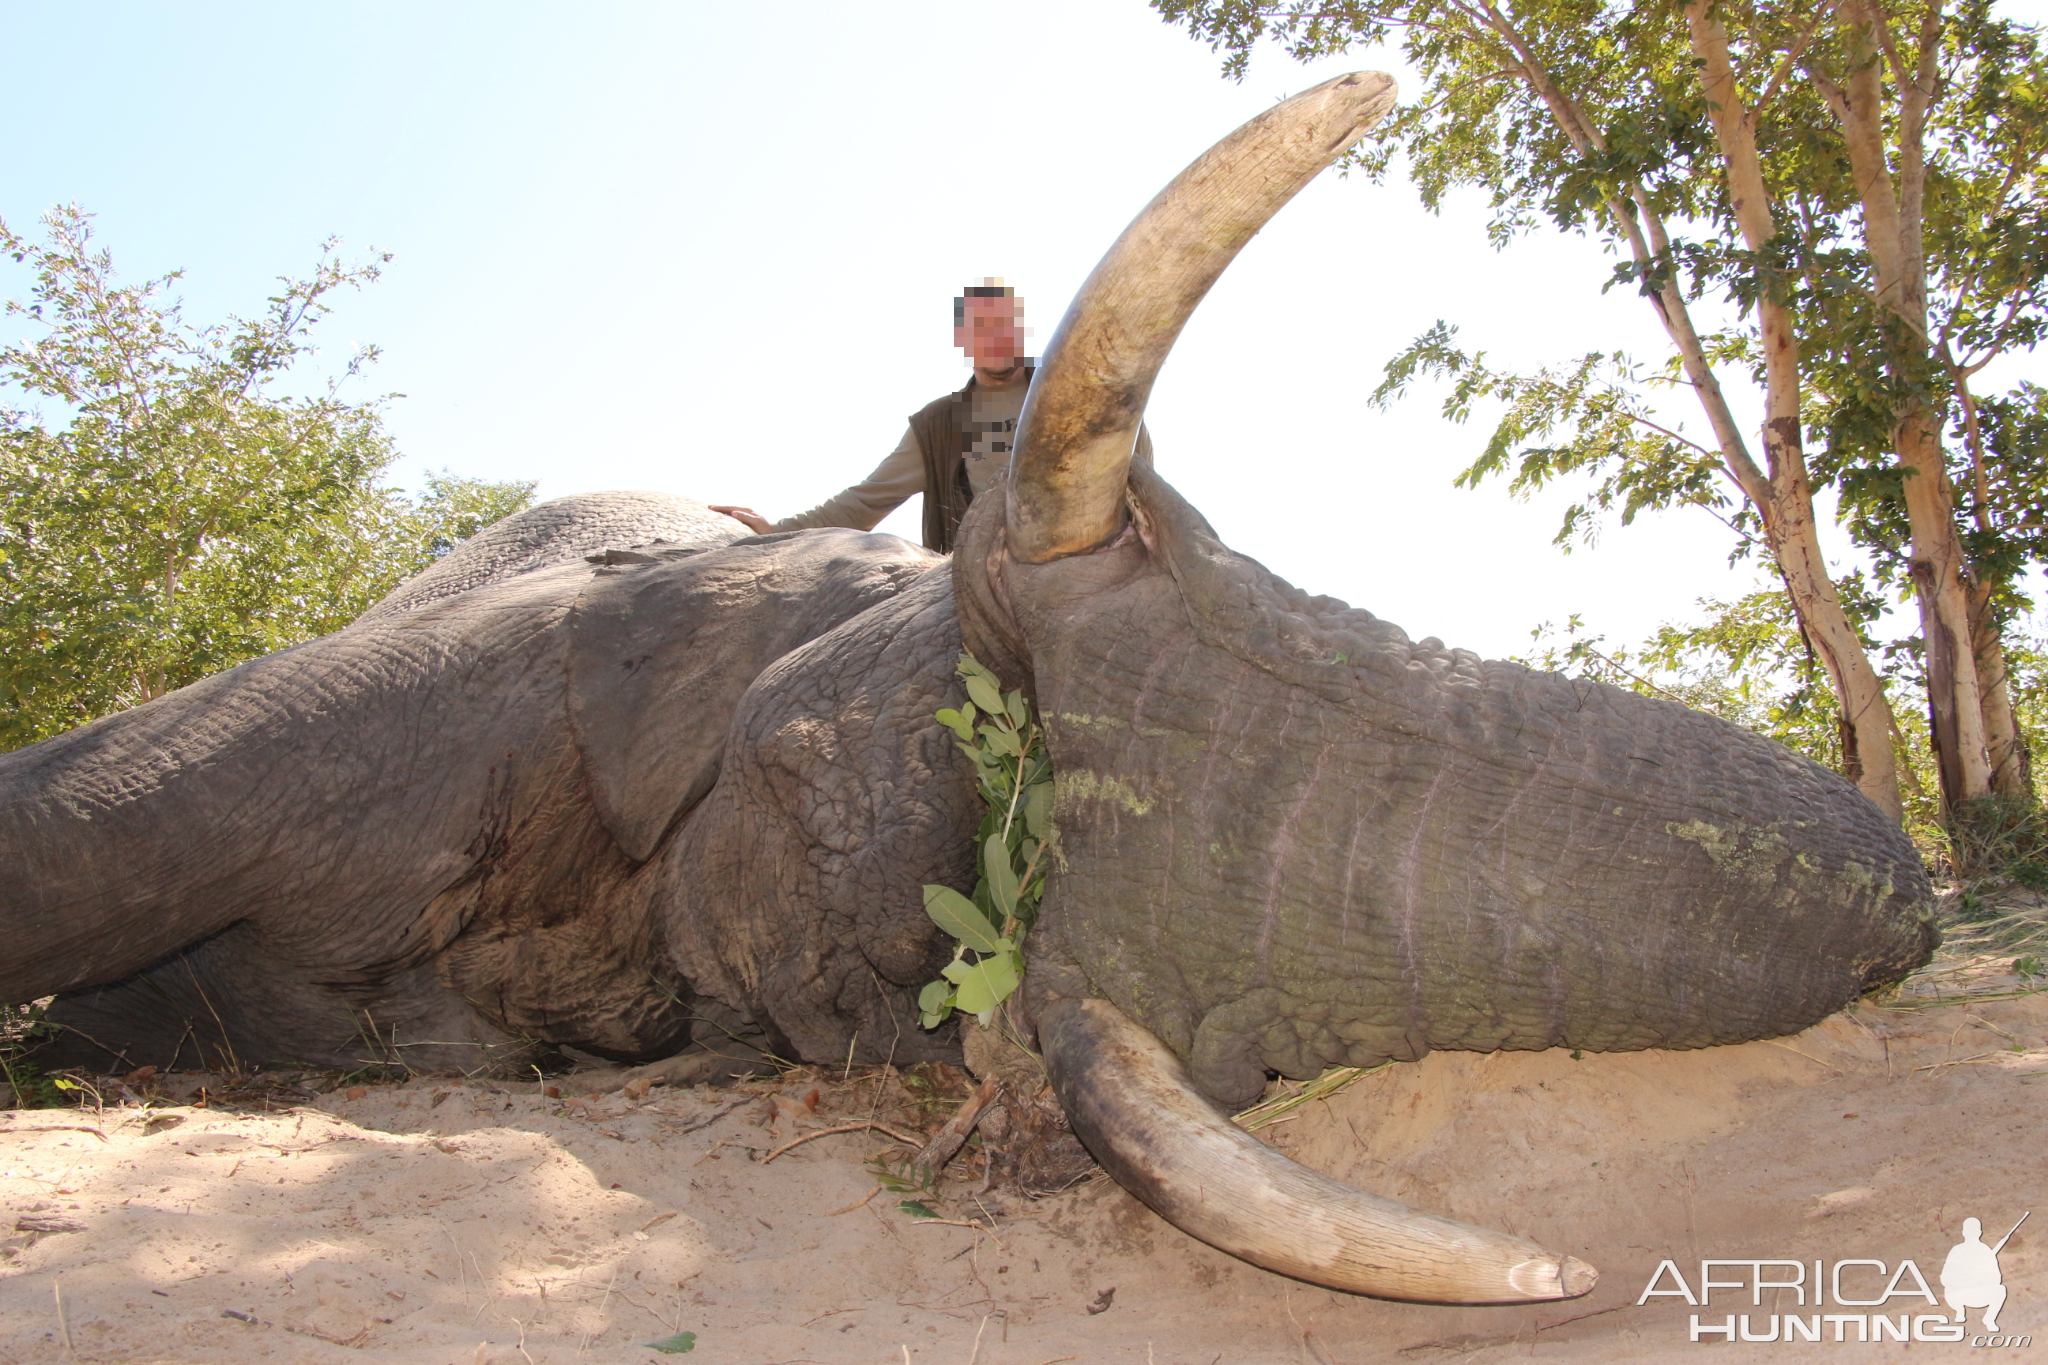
{"x": 177, "y": 515}
{"x": 1859, "y": 180}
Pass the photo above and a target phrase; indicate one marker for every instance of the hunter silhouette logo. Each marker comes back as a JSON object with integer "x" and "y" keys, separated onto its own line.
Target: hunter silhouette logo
{"x": 1970, "y": 1278}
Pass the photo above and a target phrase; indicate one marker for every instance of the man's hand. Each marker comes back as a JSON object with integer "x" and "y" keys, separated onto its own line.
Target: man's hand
{"x": 746, "y": 516}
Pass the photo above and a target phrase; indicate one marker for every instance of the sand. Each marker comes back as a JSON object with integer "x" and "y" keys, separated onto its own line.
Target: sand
{"x": 447, "y": 1222}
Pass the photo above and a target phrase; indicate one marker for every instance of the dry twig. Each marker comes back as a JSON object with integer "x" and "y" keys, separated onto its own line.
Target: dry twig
{"x": 840, "y": 1128}
{"x": 857, "y": 1204}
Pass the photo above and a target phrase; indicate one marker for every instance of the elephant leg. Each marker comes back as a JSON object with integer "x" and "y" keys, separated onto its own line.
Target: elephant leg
{"x": 233, "y": 1002}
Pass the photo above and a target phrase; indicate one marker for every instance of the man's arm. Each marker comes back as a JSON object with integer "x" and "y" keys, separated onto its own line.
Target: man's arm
{"x": 896, "y": 478}
{"x": 864, "y": 505}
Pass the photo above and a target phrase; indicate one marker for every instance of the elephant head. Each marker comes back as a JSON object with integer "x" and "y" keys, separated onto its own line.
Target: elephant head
{"x": 1293, "y": 838}
{"x": 527, "y": 799}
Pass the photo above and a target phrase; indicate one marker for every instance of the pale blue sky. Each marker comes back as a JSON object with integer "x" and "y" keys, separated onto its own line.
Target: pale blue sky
{"x": 711, "y": 248}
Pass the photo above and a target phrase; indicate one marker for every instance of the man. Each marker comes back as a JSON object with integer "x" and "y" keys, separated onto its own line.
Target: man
{"x": 955, "y": 445}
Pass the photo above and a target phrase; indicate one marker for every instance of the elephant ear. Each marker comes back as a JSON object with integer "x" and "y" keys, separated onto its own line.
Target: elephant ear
{"x": 664, "y": 642}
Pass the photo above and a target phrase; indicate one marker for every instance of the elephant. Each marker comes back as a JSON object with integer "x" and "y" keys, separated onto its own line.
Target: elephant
{"x": 615, "y": 775}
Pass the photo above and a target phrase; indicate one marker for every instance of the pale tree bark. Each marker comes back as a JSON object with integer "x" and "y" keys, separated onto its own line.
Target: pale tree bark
{"x": 1892, "y": 211}
{"x": 2009, "y": 775}
{"x": 2003, "y": 747}
{"x": 1784, "y": 496}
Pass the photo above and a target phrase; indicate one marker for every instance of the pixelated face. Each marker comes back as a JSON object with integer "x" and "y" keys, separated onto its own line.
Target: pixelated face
{"x": 991, "y": 332}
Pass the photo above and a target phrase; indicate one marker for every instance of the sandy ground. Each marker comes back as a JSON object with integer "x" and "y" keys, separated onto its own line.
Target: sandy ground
{"x": 447, "y": 1222}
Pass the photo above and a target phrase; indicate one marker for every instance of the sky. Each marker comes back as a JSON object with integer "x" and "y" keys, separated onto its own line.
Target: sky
{"x": 712, "y": 248}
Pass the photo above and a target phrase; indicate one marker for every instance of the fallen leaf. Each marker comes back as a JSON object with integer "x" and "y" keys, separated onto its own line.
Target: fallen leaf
{"x": 682, "y": 1343}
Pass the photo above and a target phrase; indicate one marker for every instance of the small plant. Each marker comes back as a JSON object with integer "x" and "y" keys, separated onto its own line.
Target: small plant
{"x": 2028, "y": 967}
{"x": 1999, "y": 839}
{"x": 1007, "y": 746}
{"x": 22, "y": 1029}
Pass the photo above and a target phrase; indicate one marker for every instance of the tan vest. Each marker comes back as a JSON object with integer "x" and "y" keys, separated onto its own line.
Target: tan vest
{"x": 942, "y": 438}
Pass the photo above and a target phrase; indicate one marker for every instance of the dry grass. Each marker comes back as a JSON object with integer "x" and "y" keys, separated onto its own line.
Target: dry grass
{"x": 1289, "y": 1096}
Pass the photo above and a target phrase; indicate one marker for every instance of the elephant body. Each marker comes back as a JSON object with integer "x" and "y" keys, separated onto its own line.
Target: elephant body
{"x": 554, "y": 718}
{"x": 594, "y": 805}
{"x": 612, "y": 776}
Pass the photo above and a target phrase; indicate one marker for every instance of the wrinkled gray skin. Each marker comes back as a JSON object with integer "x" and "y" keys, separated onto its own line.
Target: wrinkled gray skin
{"x": 1294, "y": 838}
{"x": 591, "y": 805}
{"x": 693, "y": 792}
{"x": 612, "y": 777}
{"x": 448, "y": 829}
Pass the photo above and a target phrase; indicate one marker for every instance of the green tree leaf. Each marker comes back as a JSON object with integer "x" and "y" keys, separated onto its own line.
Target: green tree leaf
{"x": 1002, "y": 741}
{"x": 1038, "y": 810}
{"x": 1002, "y": 878}
{"x": 983, "y": 690}
{"x": 958, "y": 917}
{"x": 986, "y": 984}
{"x": 682, "y": 1343}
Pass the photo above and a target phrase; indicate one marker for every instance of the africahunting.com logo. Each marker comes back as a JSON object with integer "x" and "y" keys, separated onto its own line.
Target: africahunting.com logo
{"x": 1970, "y": 1281}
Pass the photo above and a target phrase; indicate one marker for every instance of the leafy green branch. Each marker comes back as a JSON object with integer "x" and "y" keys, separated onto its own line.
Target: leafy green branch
{"x": 1014, "y": 775}
{"x": 1589, "y": 417}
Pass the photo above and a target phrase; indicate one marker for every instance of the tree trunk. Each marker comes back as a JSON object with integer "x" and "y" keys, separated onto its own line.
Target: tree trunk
{"x": 1954, "y": 693}
{"x": 1784, "y": 494}
{"x": 1891, "y": 182}
{"x": 2003, "y": 747}
{"x": 1868, "y": 758}
{"x": 2006, "y": 752}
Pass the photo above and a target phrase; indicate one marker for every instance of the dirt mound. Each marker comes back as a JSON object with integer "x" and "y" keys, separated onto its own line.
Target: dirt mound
{"x": 450, "y": 1223}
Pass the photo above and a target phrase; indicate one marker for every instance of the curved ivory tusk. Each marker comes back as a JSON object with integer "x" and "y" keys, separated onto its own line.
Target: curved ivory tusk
{"x": 1132, "y": 1105}
{"x": 1081, "y": 418}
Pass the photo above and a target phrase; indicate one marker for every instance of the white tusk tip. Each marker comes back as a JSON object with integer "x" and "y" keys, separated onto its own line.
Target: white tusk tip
{"x": 1553, "y": 1277}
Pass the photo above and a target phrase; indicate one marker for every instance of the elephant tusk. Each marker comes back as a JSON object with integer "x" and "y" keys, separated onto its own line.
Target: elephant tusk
{"x": 1133, "y": 1106}
{"x": 1081, "y": 418}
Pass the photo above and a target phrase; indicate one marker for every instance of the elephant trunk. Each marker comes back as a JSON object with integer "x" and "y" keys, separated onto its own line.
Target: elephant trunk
{"x": 1081, "y": 419}
{"x": 1133, "y": 1106}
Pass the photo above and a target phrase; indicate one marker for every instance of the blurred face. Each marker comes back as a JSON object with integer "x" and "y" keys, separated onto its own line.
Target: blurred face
{"x": 991, "y": 333}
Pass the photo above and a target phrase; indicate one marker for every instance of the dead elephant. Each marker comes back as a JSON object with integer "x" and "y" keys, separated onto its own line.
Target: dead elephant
{"x": 526, "y": 800}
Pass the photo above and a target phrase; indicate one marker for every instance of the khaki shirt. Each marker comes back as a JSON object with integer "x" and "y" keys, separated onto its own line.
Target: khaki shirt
{"x": 900, "y": 476}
